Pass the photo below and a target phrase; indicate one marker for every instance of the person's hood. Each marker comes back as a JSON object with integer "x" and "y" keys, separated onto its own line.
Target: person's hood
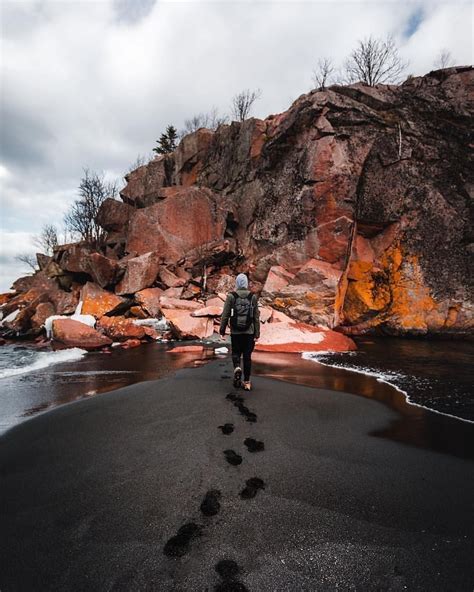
{"x": 241, "y": 282}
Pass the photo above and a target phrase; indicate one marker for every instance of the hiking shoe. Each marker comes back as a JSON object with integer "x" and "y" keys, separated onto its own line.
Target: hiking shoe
{"x": 247, "y": 385}
{"x": 237, "y": 376}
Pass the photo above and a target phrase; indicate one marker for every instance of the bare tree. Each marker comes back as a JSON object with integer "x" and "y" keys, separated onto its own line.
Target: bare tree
{"x": 211, "y": 120}
{"x": 81, "y": 218}
{"x": 242, "y": 103}
{"x": 322, "y": 73}
{"x": 28, "y": 259}
{"x": 374, "y": 61}
{"x": 47, "y": 239}
{"x": 444, "y": 60}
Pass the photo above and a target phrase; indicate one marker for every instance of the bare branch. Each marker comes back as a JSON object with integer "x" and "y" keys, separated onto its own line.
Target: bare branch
{"x": 374, "y": 61}
{"x": 444, "y": 60}
{"x": 27, "y": 259}
{"x": 242, "y": 103}
{"x": 81, "y": 221}
{"x": 47, "y": 239}
{"x": 322, "y": 73}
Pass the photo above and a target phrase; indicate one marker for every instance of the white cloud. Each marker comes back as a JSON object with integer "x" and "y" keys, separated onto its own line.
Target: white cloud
{"x": 93, "y": 84}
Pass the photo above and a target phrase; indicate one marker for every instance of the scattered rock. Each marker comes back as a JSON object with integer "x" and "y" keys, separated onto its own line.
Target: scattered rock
{"x": 184, "y": 326}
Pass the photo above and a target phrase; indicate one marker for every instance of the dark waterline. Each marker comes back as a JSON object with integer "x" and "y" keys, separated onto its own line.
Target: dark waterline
{"x": 28, "y": 394}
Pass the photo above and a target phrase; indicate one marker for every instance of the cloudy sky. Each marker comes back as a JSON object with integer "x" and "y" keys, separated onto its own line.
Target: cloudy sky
{"x": 93, "y": 83}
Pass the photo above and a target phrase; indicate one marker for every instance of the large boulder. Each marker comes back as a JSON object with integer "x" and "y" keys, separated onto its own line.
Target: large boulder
{"x": 293, "y": 336}
{"x": 189, "y": 219}
{"x": 149, "y": 300}
{"x": 190, "y": 155}
{"x": 74, "y": 257}
{"x": 69, "y": 333}
{"x": 141, "y": 272}
{"x": 185, "y": 326}
{"x": 113, "y": 215}
{"x": 178, "y": 304}
{"x": 103, "y": 270}
{"x": 97, "y": 301}
{"x": 43, "y": 311}
{"x": 120, "y": 328}
{"x": 145, "y": 184}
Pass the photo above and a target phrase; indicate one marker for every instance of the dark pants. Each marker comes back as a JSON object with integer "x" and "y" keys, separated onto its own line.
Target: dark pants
{"x": 242, "y": 345}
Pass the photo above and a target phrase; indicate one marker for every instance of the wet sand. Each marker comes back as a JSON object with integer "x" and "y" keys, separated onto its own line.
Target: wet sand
{"x": 95, "y": 494}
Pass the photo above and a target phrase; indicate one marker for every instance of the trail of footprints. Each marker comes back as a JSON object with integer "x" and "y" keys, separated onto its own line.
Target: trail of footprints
{"x": 180, "y": 544}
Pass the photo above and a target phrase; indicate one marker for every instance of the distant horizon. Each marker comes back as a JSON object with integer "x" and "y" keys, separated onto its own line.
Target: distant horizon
{"x": 95, "y": 84}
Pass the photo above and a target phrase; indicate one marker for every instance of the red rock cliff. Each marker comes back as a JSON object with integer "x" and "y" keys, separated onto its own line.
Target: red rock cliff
{"x": 349, "y": 210}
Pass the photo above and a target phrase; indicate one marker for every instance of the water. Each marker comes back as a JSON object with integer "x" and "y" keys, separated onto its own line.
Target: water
{"x": 437, "y": 375}
{"x": 412, "y": 377}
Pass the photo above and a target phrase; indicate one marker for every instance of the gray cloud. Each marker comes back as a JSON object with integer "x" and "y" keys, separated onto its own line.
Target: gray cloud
{"x": 132, "y": 11}
{"x": 93, "y": 84}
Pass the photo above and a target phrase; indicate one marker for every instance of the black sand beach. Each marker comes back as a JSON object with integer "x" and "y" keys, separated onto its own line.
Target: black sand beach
{"x": 93, "y": 491}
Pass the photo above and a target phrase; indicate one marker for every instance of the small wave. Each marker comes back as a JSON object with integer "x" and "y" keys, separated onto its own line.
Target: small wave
{"x": 45, "y": 359}
{"x": 387, "y": 377}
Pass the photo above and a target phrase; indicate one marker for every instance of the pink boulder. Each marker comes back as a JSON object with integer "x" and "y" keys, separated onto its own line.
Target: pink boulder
{"x": 176, "y": 303}
{"x": 140, "y": 273}
{"x": 184, "y": 326}
{"x": 74, "y": 334}
{"x": 209, "y": 311}
{"x": 294, "y": 336}
{"x": 278, "y": 277}
{"x": 149, "y": 300}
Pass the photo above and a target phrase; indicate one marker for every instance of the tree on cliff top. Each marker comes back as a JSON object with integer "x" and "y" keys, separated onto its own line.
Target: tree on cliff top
{"x": 322, "y": 73}
{"x": 81, "y": 218}
{"x": 374, "y": 61}
{"x": 47, "y": 239}
{"x": 242, "y": 103}
{"x": 211, "y": 120}
{"x": 168, "y": 141}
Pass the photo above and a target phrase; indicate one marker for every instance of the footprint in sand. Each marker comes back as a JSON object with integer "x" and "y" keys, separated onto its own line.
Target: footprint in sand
{"x": 254, "y": 445}
{"x": 232, "y": 457}
{"x": 227, "y": 428}
{"x": 178, "y": 545}
{"x": 238, "y": 402}
{"x": 210, "y": 505}
{"x": 228, "y": 571}
{"x": 252, "y": 487}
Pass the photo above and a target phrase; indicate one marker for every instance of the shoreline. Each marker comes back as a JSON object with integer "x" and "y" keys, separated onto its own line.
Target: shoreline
{"x": 111, "y": 479}
{"x": 269, "y": 364}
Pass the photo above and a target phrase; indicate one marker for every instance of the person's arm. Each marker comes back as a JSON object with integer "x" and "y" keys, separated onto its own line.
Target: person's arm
{"x": 226, "y": 314}
{"x": 256, "y": 319}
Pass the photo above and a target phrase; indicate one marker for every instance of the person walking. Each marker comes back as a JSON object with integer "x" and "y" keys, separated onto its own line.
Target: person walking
{"x": 241, "y": 313}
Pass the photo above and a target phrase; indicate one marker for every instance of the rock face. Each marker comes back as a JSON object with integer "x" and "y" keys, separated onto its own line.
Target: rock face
{"x": 350, "y": 210}
{"x": 362, "y": 194}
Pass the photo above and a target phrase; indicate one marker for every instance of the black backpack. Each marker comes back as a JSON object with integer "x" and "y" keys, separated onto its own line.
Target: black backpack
{"x": 242, "y": 312}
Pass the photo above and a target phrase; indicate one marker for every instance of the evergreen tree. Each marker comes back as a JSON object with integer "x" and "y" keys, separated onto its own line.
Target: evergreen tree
{"x": 167, "y": 141}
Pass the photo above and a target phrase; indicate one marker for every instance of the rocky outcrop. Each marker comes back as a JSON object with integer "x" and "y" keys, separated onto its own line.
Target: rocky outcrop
{"x": 349, "y": 211}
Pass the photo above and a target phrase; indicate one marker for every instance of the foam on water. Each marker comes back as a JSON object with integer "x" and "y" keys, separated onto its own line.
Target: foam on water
{"x": 388, "y": 377}
{"x": 42, "y": 360}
